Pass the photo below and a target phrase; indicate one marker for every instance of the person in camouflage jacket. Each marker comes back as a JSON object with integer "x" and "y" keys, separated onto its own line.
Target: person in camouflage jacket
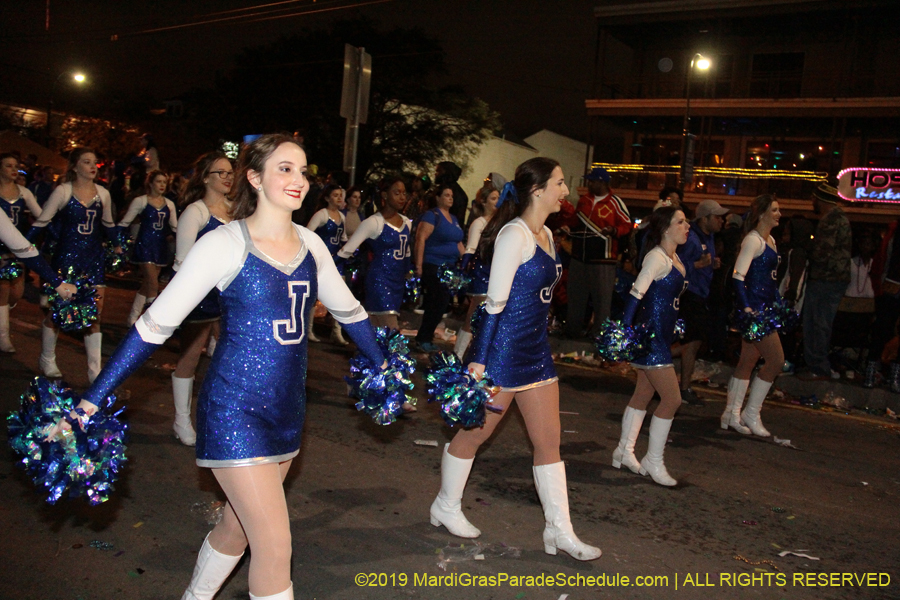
{"x": 829, "y": 274}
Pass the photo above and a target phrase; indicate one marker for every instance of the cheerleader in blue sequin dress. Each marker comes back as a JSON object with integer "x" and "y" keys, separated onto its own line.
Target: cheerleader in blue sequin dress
{"x": 511, "y": 347}
{"x": 479, "y": 270}
{"x": 83, "y": 212}
{"x": 756, "y": 287}
{"x": 251, "y": 408}
{"x": 387, "y": 235}
{"x": 654, "y": 302}
{"x": 328, "y": 224}
{"x": 16, "y": 202}
{"x": 151, "y": 249}
{"x": 206, "y": 208}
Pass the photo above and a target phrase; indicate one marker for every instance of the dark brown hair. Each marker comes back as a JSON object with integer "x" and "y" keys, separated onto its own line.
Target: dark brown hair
{"x": 657, "y": 224}
{"x": 758, "y": 207}
{"x": 253, "y": 157}
{"x": 74, "y": 156}
{"x": 196, "y": 185}
{"x": 153, "y": 175}
{"x": 531, "y": 176}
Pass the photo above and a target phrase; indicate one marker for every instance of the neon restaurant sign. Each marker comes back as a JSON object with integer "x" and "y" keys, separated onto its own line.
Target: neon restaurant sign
{"x": 869, "y": 185}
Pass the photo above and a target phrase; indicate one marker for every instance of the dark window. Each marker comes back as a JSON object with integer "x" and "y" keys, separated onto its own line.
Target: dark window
{"x": 776, "y": 75}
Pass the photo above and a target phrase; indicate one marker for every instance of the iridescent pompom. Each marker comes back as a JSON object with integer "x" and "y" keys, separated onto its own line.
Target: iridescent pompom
{"x": 456, "y": 280}
{"x": 115, "y": 261}
{"x": 477, "y": 317}
{"x": 352, "y": 269}
{"x": 413, "y": 289}
{"x": 618, "y": 343}
{"x": 381, "y": 393}
{"x": 463, "y": 399}
{"x": 80, "y": 310}
{"x": 757, "y": 325}
{"x": 11, "y": 270}
{"x": 680, "y": 328}
{"x": 76, "y": 462}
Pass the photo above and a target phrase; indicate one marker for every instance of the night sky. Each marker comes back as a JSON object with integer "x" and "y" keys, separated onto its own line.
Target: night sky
{"x": 530, "y": 61}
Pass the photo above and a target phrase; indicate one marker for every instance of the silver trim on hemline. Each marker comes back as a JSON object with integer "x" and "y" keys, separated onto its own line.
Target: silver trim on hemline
{"x": 246, "y": 462}
{"x": 652, "y": 367}
{"x": 530, "y": 386}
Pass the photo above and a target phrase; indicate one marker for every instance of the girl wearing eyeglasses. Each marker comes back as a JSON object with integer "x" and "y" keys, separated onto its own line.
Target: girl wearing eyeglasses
{"x": 207, "y": 208}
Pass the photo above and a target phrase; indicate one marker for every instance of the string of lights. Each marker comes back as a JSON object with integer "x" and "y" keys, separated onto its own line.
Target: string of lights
{"x": 729, "y": 172}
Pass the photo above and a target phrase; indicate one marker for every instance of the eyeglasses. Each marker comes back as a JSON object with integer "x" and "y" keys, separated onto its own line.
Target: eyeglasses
{"x": 223, "y": 174}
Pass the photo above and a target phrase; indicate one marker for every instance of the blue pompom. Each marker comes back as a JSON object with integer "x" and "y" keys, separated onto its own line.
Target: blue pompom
{"x": 11, "y": 270}
{"x": 755, "y": 326}
{"x": 454, "y": 279}
{"x": 381, "y": 393}
{"x": 116, "y": 262}
{"x": 413, "y": 289}
{"x": 80, "y": 462}
{"x": 463, "y": 400}
{"x": 618, "y": 343}
{"x": 80, "y": 310}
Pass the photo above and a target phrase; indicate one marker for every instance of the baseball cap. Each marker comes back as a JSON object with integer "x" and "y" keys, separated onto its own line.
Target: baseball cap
{"x": 598, "y": 174}
{"x": 710, "y": 207}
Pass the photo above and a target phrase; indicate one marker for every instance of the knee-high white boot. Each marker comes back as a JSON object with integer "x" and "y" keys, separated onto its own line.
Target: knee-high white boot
{"x": 737, "y": 389}
{"x": 446, "y": 509}
{"x": 137, "y": 307}
{"x": 287, "y": 594}
{"x": 758, "y": 391}
{"x": 462, "y": 343}
{"x": 550, "y": 481}
{"x": 652, "y": 462}
{"x": 47, "y": 361}
{"x": 5, "y": 342}
{"x": 632, "y": 420}
{"x": 336, "y": 335}
{"x": 182, "y": 391}
{"x": 93, "y": 343}
{"x": 210, "y": 572}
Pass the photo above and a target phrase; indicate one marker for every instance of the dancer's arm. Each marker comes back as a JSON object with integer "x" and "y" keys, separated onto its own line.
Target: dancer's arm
{"x": 134, "y": 209}
{"x": 30, "y": 202}
{"x": 25, "y": 251}
{"x": 193, "y": 219}
{"x": 751, "y": 247}
{"x": 367, "y": 230}
{"x": 655, "y": 266}
{"x": 173, "y": 216}
{"x": 58, "y": 199}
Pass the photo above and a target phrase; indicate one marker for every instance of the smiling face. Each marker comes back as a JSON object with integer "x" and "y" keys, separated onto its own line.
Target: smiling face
{"x": 395, "y": 197}
{"x": 9, "y": 169}
{"x": 221, "y": 177}
{"x": 86, "y": 167}
{"x": 678, "y": 228}
{"x": 771, "y": 217}
{"x": 283, "y": 178}
{"x": 551, "y": 197}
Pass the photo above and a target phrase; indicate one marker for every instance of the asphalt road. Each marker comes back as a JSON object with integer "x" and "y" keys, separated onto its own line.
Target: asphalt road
{"x": 359, "y": 496}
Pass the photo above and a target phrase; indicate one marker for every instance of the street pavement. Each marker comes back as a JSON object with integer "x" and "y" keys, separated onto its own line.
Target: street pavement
{"x": 359, "y": 494}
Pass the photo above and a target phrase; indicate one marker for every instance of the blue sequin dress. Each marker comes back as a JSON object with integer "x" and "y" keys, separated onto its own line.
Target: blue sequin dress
{"x": 659, "y": 309}
{"x": 519, "y": 356}
{"x": 252, "y": 405}
{"x": 80, "y": 242}
{"x": 16, "y": 212}
{"x": 151, "y": 246}
{"x": 761, "y": 280}
{"x": 386, "y": 274}
{"x": 332, "y": 233}
{"x": 208, "y": 309}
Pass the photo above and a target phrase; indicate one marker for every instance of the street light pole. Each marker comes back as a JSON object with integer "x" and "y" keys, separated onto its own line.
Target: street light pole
{"x": 687, "y": 166}
{"x": 77, "y": 78}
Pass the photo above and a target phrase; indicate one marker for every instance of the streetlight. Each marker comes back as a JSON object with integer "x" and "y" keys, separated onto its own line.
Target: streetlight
{"x": 78, "y": 78}
{"x": 687, "y": 147}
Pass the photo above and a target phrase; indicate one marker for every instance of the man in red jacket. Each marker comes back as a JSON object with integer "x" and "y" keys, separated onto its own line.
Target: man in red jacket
{"x": 600, "y": 219}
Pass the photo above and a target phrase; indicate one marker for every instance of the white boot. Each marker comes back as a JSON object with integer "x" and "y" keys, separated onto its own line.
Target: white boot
{"x": 652, "y": 462}
{"x": 336, "y": 336}
{"x": 5, "y": 342}
{"x": 93, "y": 343}
{"x": 137, "y": 308}
{"x": 446, "y": 509}
{"x": 631, "y": 428}
{"x": 550, "y": 481}
{"x": 210, "y": 572}
{"x": 47, "y": 361}
{"x": 287, "y": 594}
{"x": 309, "y": 332}
{"x": 758, "y": 391}
{"x": 737, "y": 389}
{"x": 182, "y": 390}
{"x": 462, "y": 343}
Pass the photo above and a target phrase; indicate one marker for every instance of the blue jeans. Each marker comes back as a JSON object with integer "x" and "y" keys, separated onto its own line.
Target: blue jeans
{"x": 819, "y": 309}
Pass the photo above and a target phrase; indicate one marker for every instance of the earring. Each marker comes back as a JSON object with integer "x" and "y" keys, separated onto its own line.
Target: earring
{"x": 259, "y": 189}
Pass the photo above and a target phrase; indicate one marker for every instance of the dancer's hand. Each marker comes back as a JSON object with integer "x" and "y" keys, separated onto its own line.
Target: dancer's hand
{"x": 63, "y": 425}
{"x": 66, "y": 290}
{"x": 476, "y": 370}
